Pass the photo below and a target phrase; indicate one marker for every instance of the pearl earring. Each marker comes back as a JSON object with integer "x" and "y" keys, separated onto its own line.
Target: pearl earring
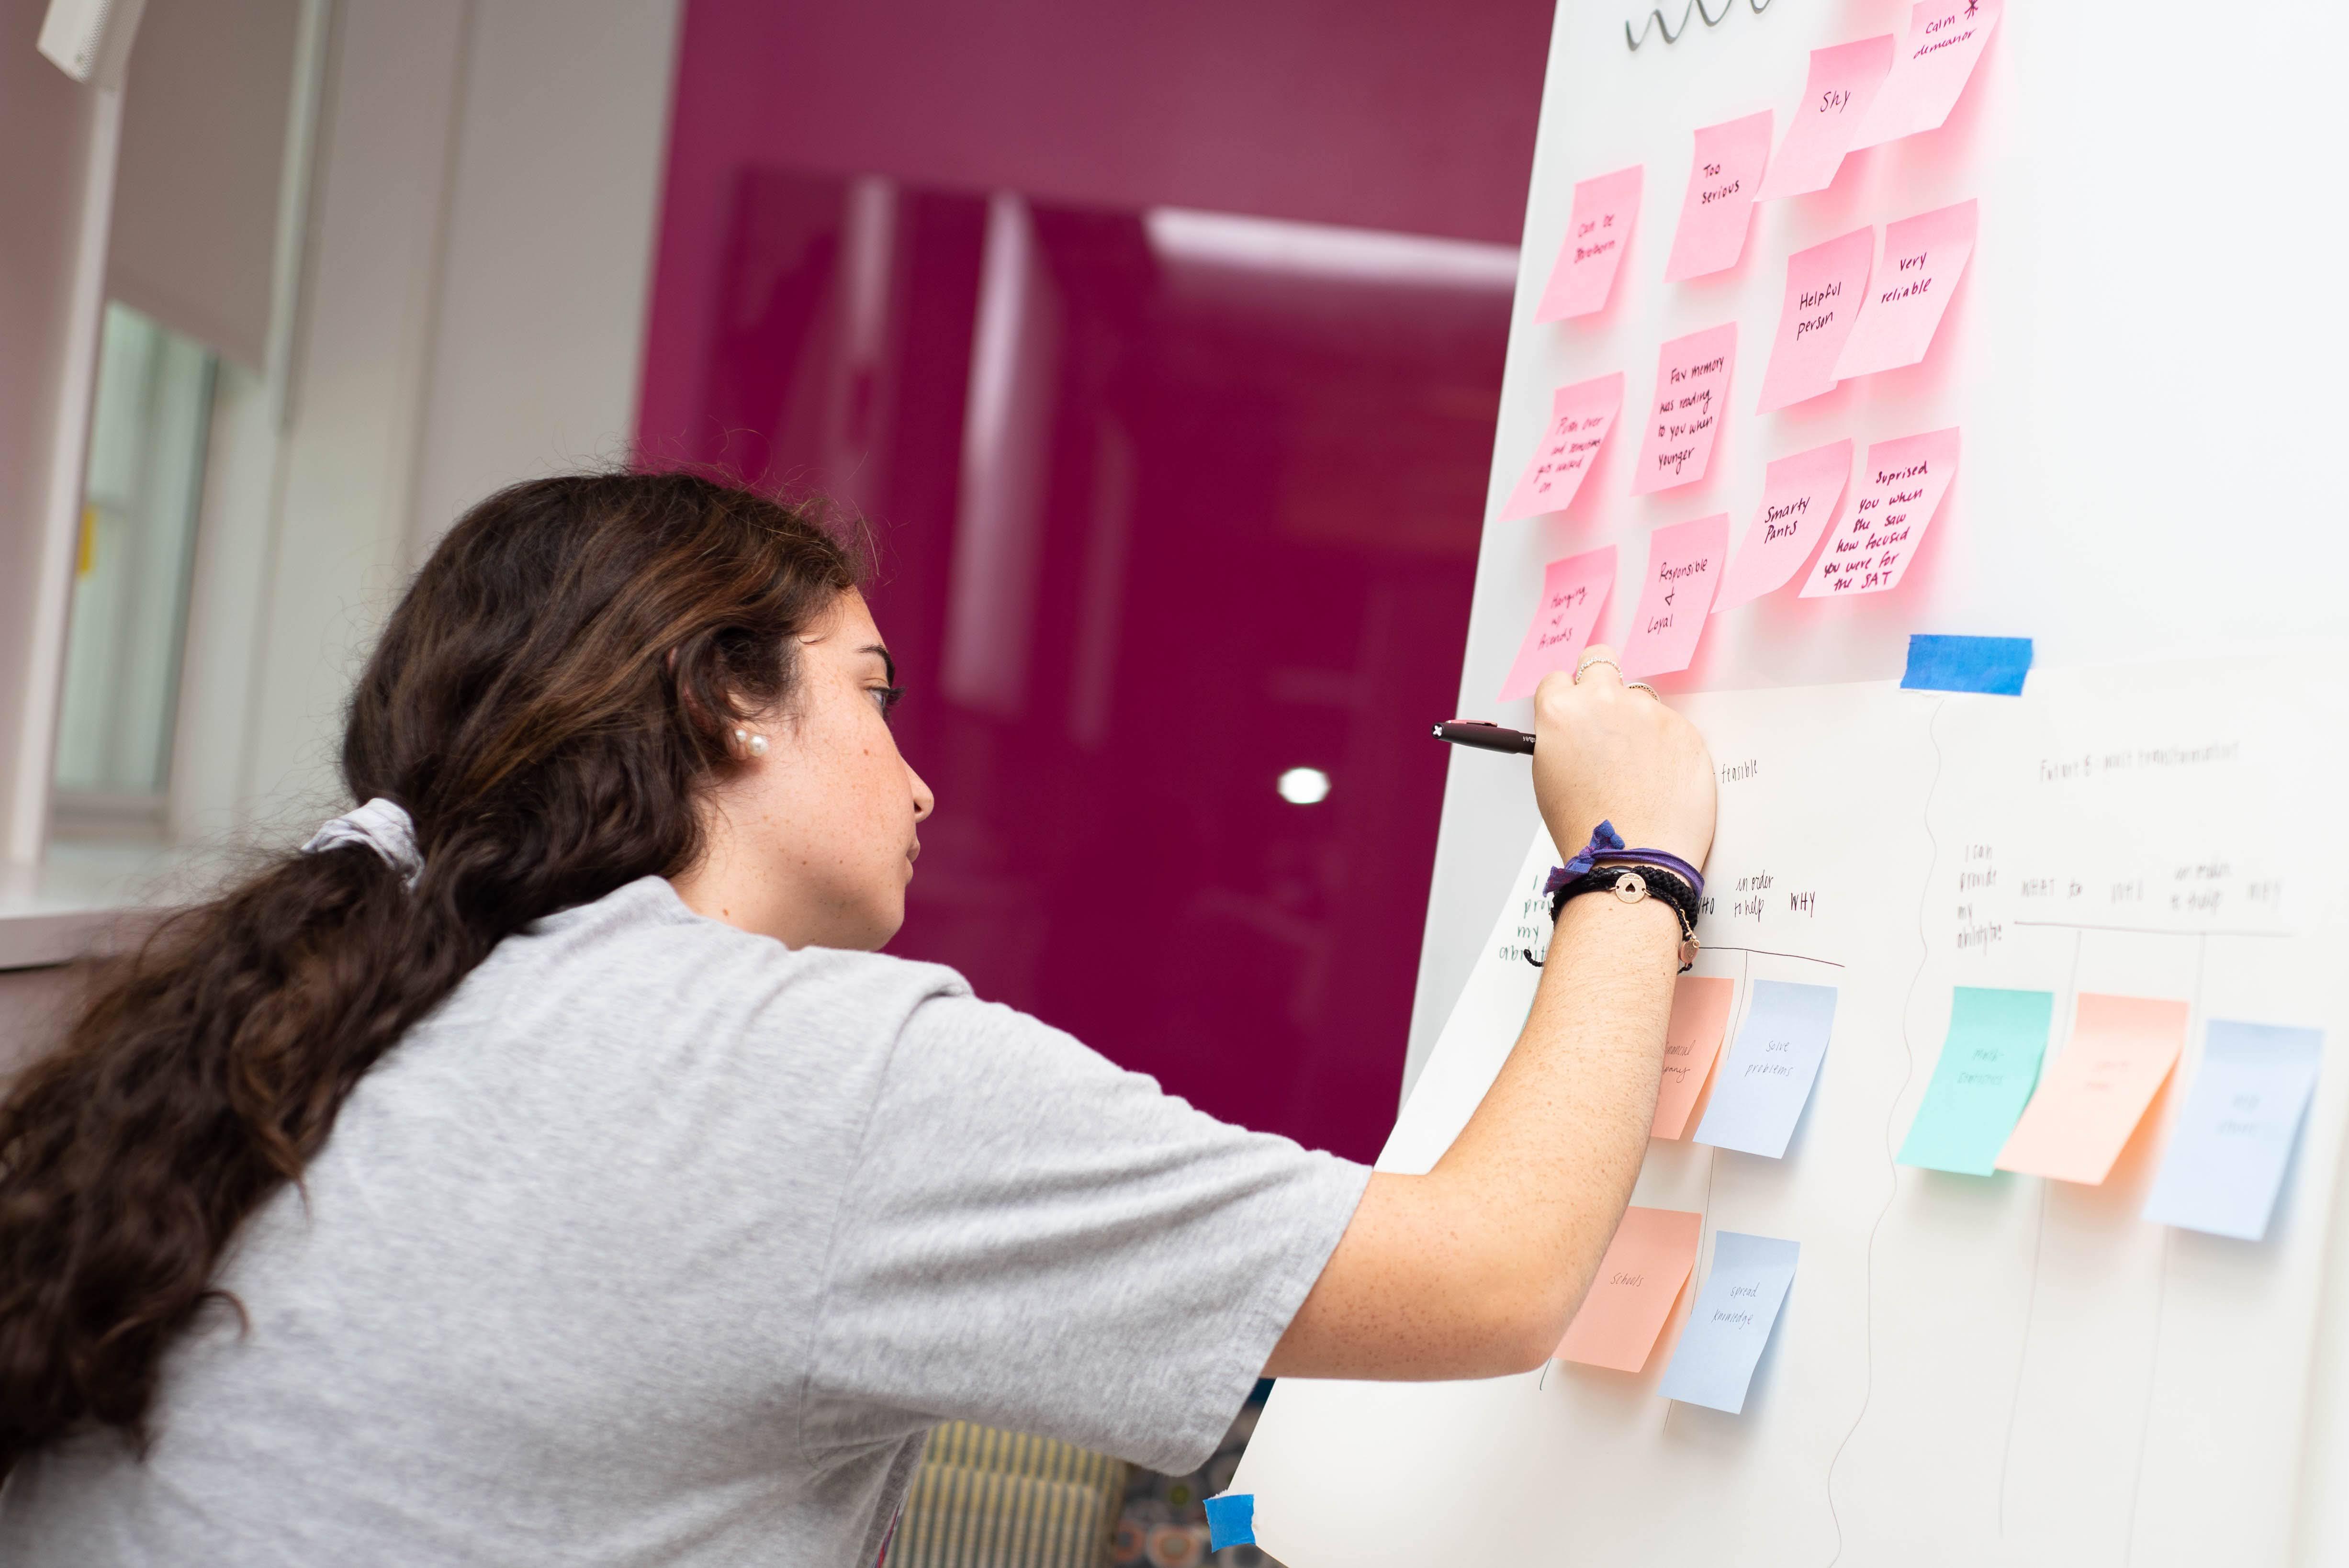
{"x": 756, "y": 745}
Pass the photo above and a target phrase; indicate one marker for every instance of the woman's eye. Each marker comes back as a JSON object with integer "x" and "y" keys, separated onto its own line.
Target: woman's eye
{"x": 885, "y": 697}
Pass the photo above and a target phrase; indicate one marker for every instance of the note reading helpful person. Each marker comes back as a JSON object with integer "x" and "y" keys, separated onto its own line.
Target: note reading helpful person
{"x": 1730, "y": 1327}
{"x": 1637, "y": 1281}
{"x": 1605, "y": 208}
{"x": 1579, "y": 417}
{"x": 1825, "y": 285}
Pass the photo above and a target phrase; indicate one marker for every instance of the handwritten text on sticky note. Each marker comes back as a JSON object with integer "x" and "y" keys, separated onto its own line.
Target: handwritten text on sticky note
{"x": 1935, "y": 60}
{"x": 1988, "y": 1067}
{"x": 1579, "y": 417}
{"x": 1730, "y": 1326}
{"x": 1692, "y": 377}
{"x": 1685, "y": 564}
{"x": 1714, "y": 214}
{"x": 1767, "y": 1078}
{"x": 1605, "y": 209}
{"x": 1924, "y": 256}
{"x": 1691, "y": 1040}
{"x": 1573, "y": 593}
{"x": 1902, "y": 486}
{"x": 1825, "y": 285}
{"x": 2232, "y": 1141}
{"x": 1638, "y": 1280}
{"x": 1835, "y": 98}
{"x": 2091, "y": 1098}
{"x": 1798, "y": 501}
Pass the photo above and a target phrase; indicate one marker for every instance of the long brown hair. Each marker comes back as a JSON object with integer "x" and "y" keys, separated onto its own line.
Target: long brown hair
{"x": 546, "y": 701}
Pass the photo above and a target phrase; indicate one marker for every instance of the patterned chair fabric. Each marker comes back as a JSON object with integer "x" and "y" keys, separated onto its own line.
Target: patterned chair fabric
{"x": 990, "y": 1499}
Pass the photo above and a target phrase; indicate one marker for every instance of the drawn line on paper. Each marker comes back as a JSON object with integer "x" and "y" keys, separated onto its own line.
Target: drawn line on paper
{"x": 1805, "y": 957}
{"x": 2031, "y": 1302}
{"x": 2151, "y": 930}
{"x": 1695, "y": 8}
{"x": 2160, "y": 1303}
{"x": 1891, "y": 1165}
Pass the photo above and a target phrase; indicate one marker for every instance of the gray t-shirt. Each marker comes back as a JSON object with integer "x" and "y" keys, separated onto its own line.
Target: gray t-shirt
{"x": 663, "y": 1243}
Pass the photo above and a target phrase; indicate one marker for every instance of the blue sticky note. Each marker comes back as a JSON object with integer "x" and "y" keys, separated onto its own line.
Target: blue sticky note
{"x": 1994, "y": 664}
{"x": 1713, "y": 1363}
{"x": 2234, "y": 1135}
{"x": 1760, "y": 1089}
{"x": 1231, "y": 1521}
{"x": 1989, "y": 1065}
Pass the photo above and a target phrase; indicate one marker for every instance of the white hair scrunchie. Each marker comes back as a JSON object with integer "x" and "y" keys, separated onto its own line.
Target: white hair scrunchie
{"x": 383, "y": 825}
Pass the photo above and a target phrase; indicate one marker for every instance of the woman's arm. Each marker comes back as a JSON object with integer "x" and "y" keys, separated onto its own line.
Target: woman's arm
{"x": 1475, "y": 1269}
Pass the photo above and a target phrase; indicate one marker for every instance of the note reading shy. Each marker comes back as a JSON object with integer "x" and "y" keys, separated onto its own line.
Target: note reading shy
{"x": 1573, "y": 593}
{"x": 1730, "y": 1326}
{"x": 1638, "y": 1279}
{"x": 1843, "y": 84}
{"x": 1605, "y": 208}
{"x": 1685, "y": 416}
{"x": 1723, "y": 181}
{"x": 1902, "y": 486}
{"x": 1579, "y": 417}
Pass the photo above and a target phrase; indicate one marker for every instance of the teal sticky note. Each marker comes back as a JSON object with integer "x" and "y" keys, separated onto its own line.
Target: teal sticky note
{"x": 1989, "y": 1065}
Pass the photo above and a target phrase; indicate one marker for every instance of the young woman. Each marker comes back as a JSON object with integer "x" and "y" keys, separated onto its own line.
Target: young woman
{"x": 543, "y": 1166}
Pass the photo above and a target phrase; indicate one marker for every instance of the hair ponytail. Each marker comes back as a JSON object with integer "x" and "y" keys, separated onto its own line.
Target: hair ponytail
{"x": 545, "y": 702}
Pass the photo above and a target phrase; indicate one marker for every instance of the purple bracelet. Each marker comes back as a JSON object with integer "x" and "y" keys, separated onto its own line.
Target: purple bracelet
{"x": 1606, "y": 849}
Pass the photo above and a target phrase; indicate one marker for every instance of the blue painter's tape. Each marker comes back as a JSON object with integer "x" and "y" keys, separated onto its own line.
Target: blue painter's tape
{"x": 1231, "y": 1521}
{"x": 1994, "y": 664}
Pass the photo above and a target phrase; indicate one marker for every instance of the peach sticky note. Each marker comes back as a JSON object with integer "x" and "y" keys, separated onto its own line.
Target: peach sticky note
{"x": 1685, "y": 564}
{"x": 1931, "y": 68}
{"x": 1638, "y": 1279}
{"x": 1727, "y": 171}
{"x": 2089, "y": 1102}
{"x": 1924, "y": 256}
{"x": 1798, "y": 501}
{"x": 1605, "y": 208}
{"x": 1579, "y": 417}
{"x": 1573, "y": 593}
{"x": 1691, "y": 1041}
{"x": 1843, "y": 84}
{"x": 1825, "y": 286}
{"x": 1691, "y": 393}
{"x": 1900, "y": 488}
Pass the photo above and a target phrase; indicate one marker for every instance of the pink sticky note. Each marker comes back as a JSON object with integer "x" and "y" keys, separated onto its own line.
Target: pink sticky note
{"x": 1637, "y": 1281}
{"x": 1825, "y": 286}
{"x": 1605, "y": 208}
{"x": 1691, "y": 393}
{"x": 1924, "y": 256}
{"x": 1579, "y": 417}
{"x": 1726, "y": 173}
{"x": 1842, "y": 83}
{"x": 1798, "y": 501}
{"x": 1931, "y": 68}
{"x": 1691, "y": 1040}
{"x": 1900, "y": 488}
{"x": 1685, "y": 564}
{"x": 2091, "y": 1101}
{"x": 1573, "y": 593}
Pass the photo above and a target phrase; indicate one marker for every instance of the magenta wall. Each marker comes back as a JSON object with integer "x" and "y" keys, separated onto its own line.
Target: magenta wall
{"x": 1153, "y": 528}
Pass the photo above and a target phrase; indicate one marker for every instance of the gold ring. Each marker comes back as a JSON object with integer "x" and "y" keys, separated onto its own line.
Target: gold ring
{"x": 1588, "y": 665}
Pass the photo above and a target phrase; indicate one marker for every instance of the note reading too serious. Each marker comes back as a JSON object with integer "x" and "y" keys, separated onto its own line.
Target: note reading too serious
{"x": 1579, "y": 417}
{"x": 1573, "y": 593}
{"x": 1691, "y": 1040}
{"x": 1902, "y": 486}
{"x": 1989, "y": 1065}
{"x": 1713, "y": 1363}
{"x": 2233, "y": 1139}
{"x": 1835, "y": 100}
{"x": 1767, "y": 1080}
{"x": 1685, "y": 416}
{"x": 1685, "y": 564}
{"x": 1924, "y": 256}
{"x": 1825, "y": 285}
{"x": 1604, "y": 210}
{"x": 2119, "y": 1055}
{"x": 1931, "y": 68}
{"x": 1638, "y": 1280}
{"x": 1798, "y": 501}
{"x": 1715, "y": 213}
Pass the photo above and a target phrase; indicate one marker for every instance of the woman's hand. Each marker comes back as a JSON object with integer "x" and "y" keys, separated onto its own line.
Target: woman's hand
{"x": 1606, "y": 753}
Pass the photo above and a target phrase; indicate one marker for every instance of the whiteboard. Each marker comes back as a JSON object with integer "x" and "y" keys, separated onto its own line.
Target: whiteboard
{"x": 2139, "y": 366}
